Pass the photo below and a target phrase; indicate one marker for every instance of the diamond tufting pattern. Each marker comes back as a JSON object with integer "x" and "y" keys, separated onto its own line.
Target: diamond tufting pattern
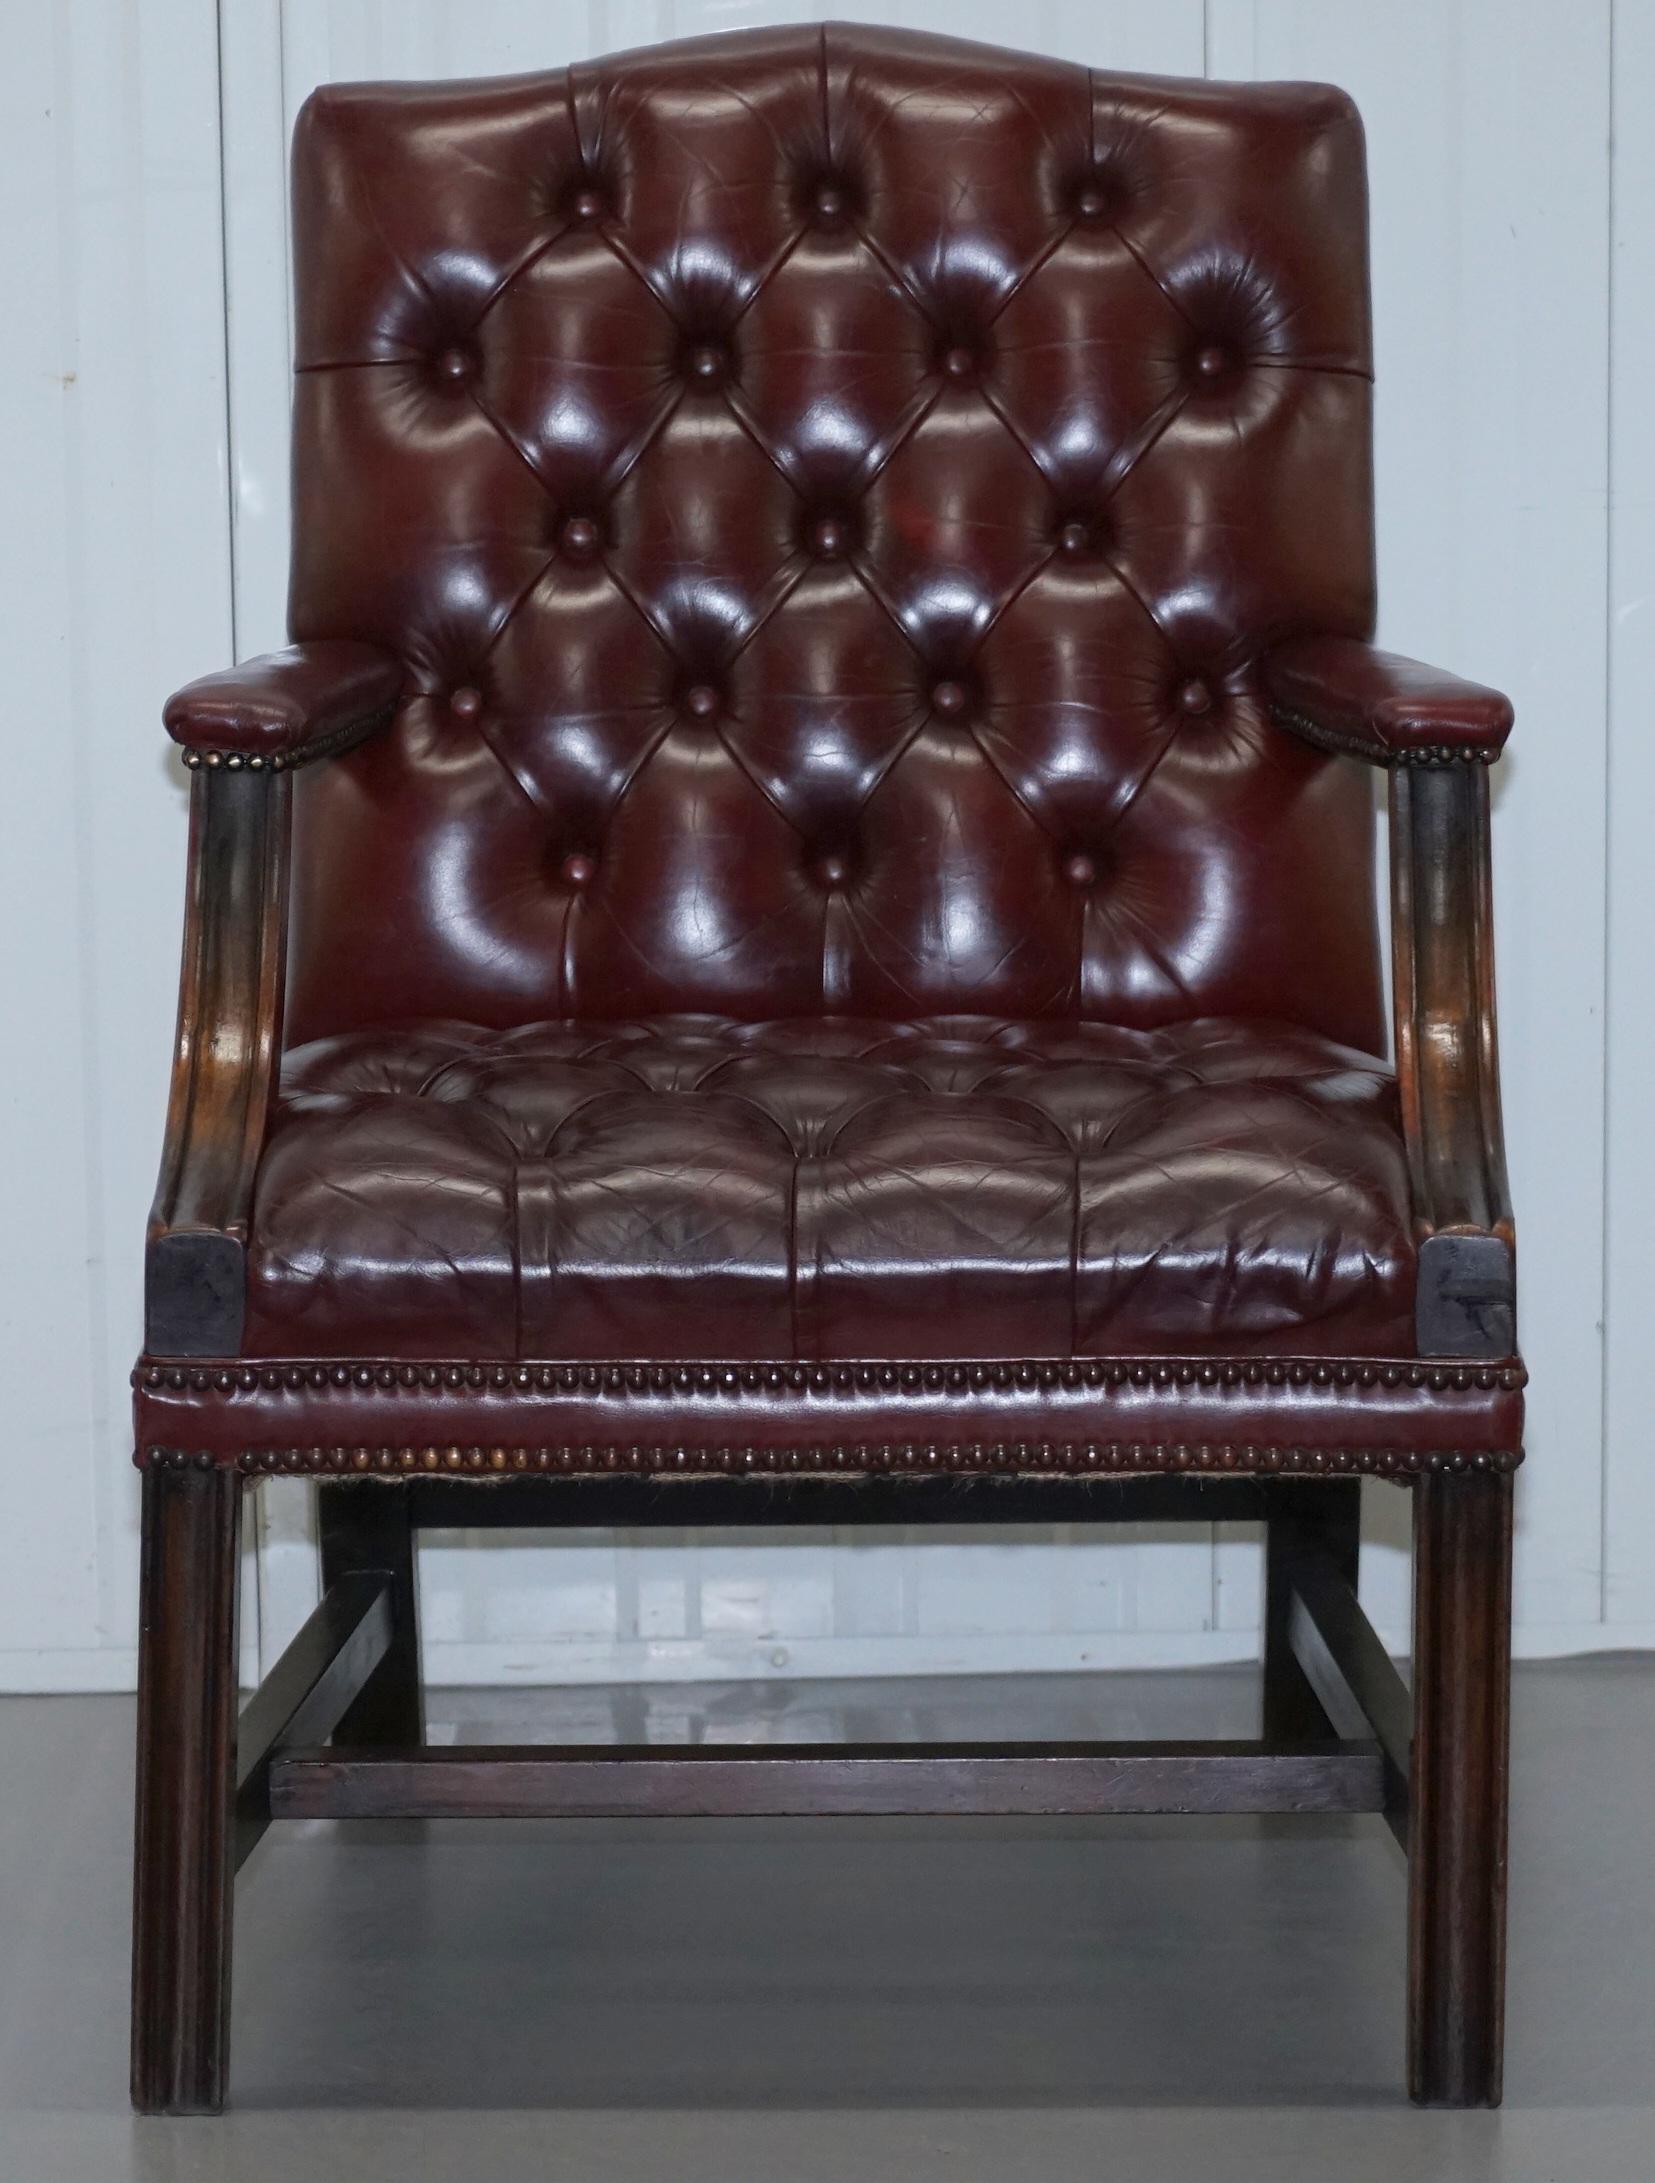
{"x": 830, "y": 490}
{"x": 824, "y": 1187}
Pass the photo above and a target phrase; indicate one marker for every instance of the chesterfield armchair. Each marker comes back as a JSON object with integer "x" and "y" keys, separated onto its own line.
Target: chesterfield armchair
{"x": 794, "y": 939}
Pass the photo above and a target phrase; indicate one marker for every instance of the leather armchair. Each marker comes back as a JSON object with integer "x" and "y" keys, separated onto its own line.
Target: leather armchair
{"x": 795, "y": 936}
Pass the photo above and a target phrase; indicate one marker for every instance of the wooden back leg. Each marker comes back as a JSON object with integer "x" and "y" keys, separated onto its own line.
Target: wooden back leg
{"x": 1304, "y": 1517}
{"x": 367, "y": 1529}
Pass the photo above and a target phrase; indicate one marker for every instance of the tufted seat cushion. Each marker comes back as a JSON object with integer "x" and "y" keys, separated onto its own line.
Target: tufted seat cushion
{"x": 695, "y": 1186}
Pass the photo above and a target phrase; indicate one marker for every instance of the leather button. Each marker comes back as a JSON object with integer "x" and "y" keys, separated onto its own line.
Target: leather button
{"x": 1080, "y": 870}
{"x": 454, "y": 364}
{"x": 1212, "y": 362}
{"x": 579, "y": 537}
{"x": 588, "y": 205}
{"x": 701, "y": 701}
{"x": 829, "y": 536}
{"x": 465, "y": 703}
{"x": 831, "y": 871}
{"x": 1092, "y": 199}
{"x": 960, "y": 362}
{"x": 577, "y": 870}
{"x": 829, "y": 201}
{"x": 1078, "y": 537}
{"x": 1195, "y": 697}
{"x": 708, "y": 362}
{"x": 948, "y": 698}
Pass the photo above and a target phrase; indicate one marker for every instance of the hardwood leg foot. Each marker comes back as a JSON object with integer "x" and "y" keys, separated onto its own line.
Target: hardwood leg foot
{"x": 1457, "y": 1811}
{"x": 1328, "y": 1517}
{"x": 367, "y": 1527}
{"x": 184, "y": 1856}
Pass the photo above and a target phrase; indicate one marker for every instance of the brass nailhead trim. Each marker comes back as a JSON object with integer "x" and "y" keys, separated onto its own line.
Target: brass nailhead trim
{"x": 1065, "y": 1458}
{"x": 324, "y": 746}
{"x": 874, "y": 1380}
{"x": 1424, "y": 754}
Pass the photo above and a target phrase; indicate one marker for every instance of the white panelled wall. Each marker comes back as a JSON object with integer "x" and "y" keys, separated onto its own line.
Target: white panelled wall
{"x": 145, "y": 427}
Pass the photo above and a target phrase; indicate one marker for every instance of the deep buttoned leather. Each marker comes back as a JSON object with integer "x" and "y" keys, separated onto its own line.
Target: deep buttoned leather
{"x": 830, "y": 492}
{"x": 820, "y": 1188}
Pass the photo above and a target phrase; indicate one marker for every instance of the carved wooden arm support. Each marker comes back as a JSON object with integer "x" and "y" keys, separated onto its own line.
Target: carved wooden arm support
{"x": 251, "y": 726}
{"x": 1447, "y": 1061}
{"x": 1435, "y": 735}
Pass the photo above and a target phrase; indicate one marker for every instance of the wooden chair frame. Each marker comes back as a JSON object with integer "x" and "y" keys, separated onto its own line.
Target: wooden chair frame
{"x": 335, "y": 1730}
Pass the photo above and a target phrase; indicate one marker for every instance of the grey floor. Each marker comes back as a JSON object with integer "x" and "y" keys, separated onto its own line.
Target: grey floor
{"x": 848, "y": 1999}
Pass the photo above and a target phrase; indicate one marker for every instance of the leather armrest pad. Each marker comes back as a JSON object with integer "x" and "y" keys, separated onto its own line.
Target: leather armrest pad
{"x": 284, "y": 705}
{"x": 1342, "y": 692}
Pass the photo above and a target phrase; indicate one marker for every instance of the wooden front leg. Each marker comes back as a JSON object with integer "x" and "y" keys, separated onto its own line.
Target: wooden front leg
{"x": 1457, "y": 1805}
{"x": 184, "y": 1850}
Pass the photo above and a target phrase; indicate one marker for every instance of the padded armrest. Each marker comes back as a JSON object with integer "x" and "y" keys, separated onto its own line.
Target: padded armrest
{"x": 1343, "y": 695}
{"x": 285, "y": 708}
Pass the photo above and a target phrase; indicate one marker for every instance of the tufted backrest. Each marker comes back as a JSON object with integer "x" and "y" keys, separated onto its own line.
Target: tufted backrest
{"x": 831, "y": 488}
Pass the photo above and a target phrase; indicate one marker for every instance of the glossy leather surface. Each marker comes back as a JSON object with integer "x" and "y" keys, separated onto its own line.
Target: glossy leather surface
{"x": 283, "y": 702}
{"x": 830, "y": 492}
{"x": 1378, "y": 704}
{"x": 824, "y": 1187}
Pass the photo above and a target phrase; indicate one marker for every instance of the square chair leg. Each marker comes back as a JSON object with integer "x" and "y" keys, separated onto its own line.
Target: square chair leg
{"x": 1318, "y": 1516}
{"x": 184, "y": 1854}
{"x": 1457, "y": 1806}
{"x": 366, "y": 1529}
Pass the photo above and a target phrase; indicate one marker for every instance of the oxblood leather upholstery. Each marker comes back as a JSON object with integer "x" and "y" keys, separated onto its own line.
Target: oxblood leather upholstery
{"x": 827, "y": 1188}
{"x": 830, "y": 490}
{"x": 283, "y": 706}
{"x": 842, "y": 509}
{"x": 1379, "y": 706}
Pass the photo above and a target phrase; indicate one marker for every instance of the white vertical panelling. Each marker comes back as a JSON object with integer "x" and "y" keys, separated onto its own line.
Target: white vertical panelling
{"x": 258, "y": 329}
{"x": 1493, "y": 536}
{"x": 1490, "y": 290}
{"x": 1629, "y": 1482}
{"x": 116, "y": 587}
{"x": 46, "y": 1485}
